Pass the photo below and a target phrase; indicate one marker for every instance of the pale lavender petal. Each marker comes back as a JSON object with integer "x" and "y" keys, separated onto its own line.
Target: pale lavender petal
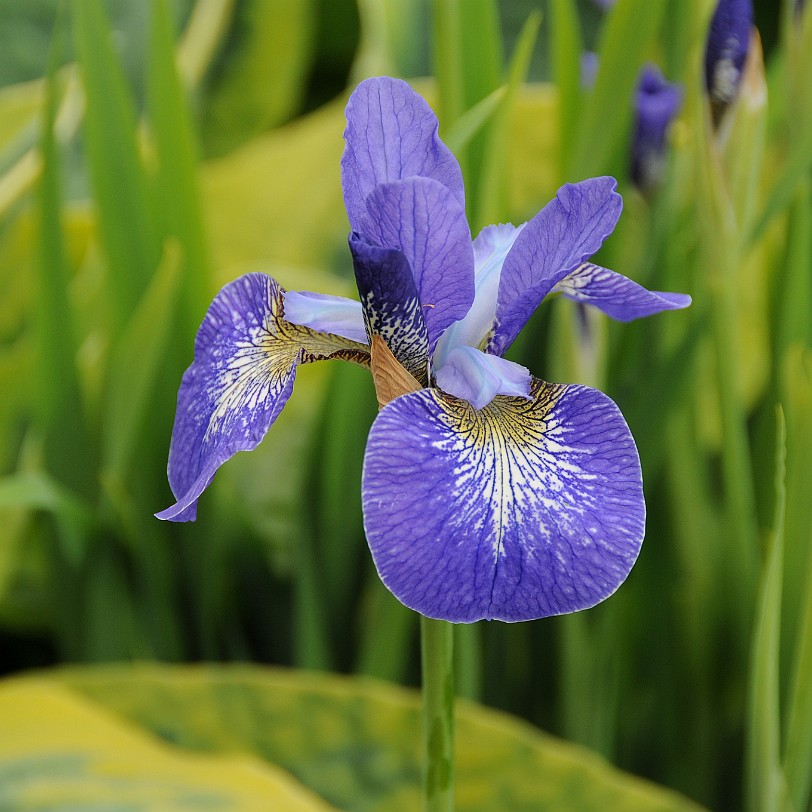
{"x": 327, "y": 314}
{"x": 421, "y": 218}
{"x": 518, "y": 511}
{"x": 478, "y": 378}
{"x": 241, "y": 377}
{"x": 616, "y": 295}
{"x": 490, "y": 249}
{"x": 391, "y": 303}
{"x": 554, "y": 243}
{"x": 392, "y": 134}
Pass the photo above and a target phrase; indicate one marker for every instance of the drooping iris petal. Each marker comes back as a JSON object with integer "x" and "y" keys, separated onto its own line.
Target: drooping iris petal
{"x": 616, "y": 295}
{"x": 242, "y": 375}
{"x": 568, "y": 230}
{"x": 521, "y": 510}
{"x": 392, "y": 134}
{"x": 326, "y": 314}
{"x": 478, "y": 378}
{"x": 490, "y": 249}
{"x": 391, "y": 304}
{"x": 421, "y": 218}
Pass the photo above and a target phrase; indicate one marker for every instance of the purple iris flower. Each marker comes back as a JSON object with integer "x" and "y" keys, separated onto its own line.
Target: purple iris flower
{"x": 487, "y": 493}
{"x": 726, "y": 50}
{"x": 656, "y": 103}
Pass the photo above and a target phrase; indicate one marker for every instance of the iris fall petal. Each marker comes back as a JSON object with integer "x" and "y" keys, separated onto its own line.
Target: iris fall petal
{"x": 517, "y": 511}
{"x": 242, "y": 375}
{"x": 616, "y": 295}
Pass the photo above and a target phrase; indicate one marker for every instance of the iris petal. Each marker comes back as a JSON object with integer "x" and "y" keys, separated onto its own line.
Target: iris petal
{"x": 616, "y": 295}
{"x": 421, "y": 218}
{"x": 392, "y": 134}
{"x": 478, "y": 378}
{"x": 521, "y": 510}
{"x": 326, "y": 314}
{"x": 242, "y": 375}
{"x": 568, "y": 230}
{"x": 491, "y": 246}
{"x": 391, "y": 304}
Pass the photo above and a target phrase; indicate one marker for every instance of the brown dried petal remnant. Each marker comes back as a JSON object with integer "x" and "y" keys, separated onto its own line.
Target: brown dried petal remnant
{"x": 390, "y": 377}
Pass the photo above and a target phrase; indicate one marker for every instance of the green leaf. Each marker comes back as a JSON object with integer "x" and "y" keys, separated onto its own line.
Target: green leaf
{"x": 259, "y": 80}
{"x": 38, "y": 491}
{"x": 605, "y": 121}
{"x": 126, "y": 224}
{"x": 766, "y": 784}
{"x": 61, "y": 751}
{"x": 797, "y": 392}
{"x": 356, "y": 742}
{"x": 178, "y": 196}
{"x": 60, "y": 402}
{"x": 567, "y": 48}
{"x": 134, "y": 367}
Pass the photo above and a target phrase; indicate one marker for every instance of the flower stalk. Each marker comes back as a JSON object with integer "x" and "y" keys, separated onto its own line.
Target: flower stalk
{"x": 437, "y": 658}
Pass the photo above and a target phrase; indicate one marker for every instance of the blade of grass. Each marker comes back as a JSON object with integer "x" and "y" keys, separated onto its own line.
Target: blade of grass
{"x": 566, "y": 50}
{"x": 494, "y": 193}
{"x": 798, "y": 742}
{"x": 62, "y": 410}
{"x": 126, "y": 227}
{"x": 177, "y": 184}
{"x": 766, "y": 787}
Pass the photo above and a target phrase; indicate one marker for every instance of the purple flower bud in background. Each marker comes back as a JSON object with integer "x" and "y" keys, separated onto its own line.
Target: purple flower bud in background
{"x": 726, "y": 51}
{"x": 589, "y": 69}
{"x": 656, "y": 103}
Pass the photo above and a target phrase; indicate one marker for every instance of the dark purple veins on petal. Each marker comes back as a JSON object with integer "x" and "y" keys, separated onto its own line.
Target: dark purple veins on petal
{"x": 568, "y": 230}
{"x": 391, "y": 303}
{"x": 391, "y": 134}
{"x": 521, "y": 510}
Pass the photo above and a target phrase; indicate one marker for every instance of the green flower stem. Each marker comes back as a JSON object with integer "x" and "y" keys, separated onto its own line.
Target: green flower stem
{"x": 437, "y": 650}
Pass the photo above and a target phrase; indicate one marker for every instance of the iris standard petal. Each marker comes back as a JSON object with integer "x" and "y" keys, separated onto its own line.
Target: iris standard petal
{"x": 491, "y": 246}
{"x": 391, "y": 304}
{"x": 421, "y": 218}
{"x": 616, "y": 295}
{"x": 242, "y": 375}
{"x": 478, "y": 378}
{"x": 568, "y": 230}
{"x": 326, "y": 314}
{"x": 392, "y": 134}
{"x": 521, "y": 510}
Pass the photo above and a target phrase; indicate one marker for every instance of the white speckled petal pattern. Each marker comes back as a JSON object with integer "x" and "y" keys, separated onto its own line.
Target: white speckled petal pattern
{"x": 521, "y": 510}
{"x": 242, "y": 375}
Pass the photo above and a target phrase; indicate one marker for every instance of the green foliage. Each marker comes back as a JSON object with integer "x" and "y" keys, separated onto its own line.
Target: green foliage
{"x": 354, "y": 742}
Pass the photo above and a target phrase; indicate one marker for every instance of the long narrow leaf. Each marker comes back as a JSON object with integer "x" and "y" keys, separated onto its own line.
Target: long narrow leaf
{"x": 766, "y": 788}
{"x": 120, "y": 189}
{"x": 178, "y": 190}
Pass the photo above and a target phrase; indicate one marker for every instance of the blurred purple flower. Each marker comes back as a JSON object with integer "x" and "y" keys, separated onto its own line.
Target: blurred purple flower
{"x": 486, "y": 493}
{"x": 656, "y": 103}
{"x": 726, "y": 50}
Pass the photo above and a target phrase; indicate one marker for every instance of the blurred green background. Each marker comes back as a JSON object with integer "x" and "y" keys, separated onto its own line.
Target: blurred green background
{"x": 151, "y": 152}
